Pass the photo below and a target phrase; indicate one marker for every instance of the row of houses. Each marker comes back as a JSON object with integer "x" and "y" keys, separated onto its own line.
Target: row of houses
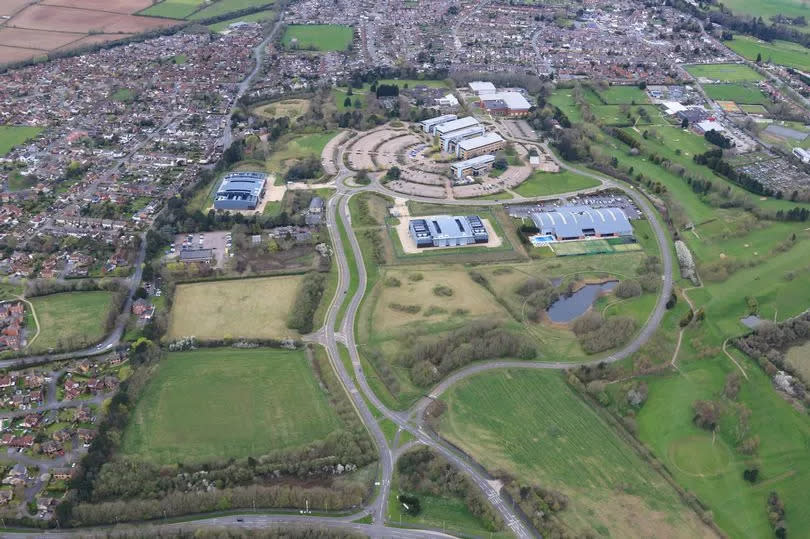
{"x": 12, "y": 320}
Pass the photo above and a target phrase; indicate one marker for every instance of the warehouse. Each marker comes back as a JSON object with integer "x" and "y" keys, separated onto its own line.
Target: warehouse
{"x": 471, "y": 147}
{"x": 448, "y": 231}
{"x": 580, "y": 222}
{"x": 482, "y": 88}
{"x": 446, "y": 128}
{"x": 506, "y": 104}
{"x": 449, "y": 141}
{"x": 472, "y": 167}
{"x": 240, "y": 191}
{"x": 429, "y": 123}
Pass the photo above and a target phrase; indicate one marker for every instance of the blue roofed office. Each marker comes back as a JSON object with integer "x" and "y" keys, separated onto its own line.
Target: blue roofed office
{"x": 240, "y": 191}
{"x": 448, "y": 231}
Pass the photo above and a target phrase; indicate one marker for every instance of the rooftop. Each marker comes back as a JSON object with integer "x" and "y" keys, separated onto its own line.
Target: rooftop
{"x": 477, "y": 142}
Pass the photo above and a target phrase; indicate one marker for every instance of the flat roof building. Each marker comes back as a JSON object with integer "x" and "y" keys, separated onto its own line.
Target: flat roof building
{"x": 430, "y": 122}
{"x": 506, "y": 103}
{"x": 475, "y": 166}
{"x": 196, "y": 255}
{"x": 448, "y": 231}
{"x": 444, "y": 129}
{"x": 471, "y": 147}
{"x": 449, "y": 141}
{"x": 481, "y": 87}
{"x": 580, "y": 222}
{"x": 240, "y": 191}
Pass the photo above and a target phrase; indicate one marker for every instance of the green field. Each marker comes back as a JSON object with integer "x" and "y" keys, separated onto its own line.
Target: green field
{"x": 223, "y": 7}
{"x": 220, "y": 403}
{"x": 14, "y": 135}
{"x": 320, "y": 37}
{"x": 724, "y": 72}
{"x": 768, "y": 8}
{"x": 234, "y": 308}
{"x": 289, "y": 150}
{"x": 261, "y": 16}
{"x": 548, "y": 183}
{"x": 530, "y": 424}
{"x": 777, "y": 52}
{"x": 798, "y": 357}
{"x": 624, "y": 95}
{"x": 626, "y": 114}
{"x": 739, "y": 93}
{"x": 712, "y": 469}
{"x": 563, "y": 99}
{"x": 173, "y": 9}
{"x": 70, "y": 320}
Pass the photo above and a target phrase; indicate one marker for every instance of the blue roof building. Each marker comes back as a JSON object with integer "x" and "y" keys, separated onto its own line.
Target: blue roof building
{"x": 448, "y": 231}
{"x": 240, "y": 191}
{"x": 579, "y": 222}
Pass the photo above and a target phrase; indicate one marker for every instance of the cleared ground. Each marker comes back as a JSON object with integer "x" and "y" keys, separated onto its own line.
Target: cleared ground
{"x": 530, "y": 424}
{"x": 219, "y": 403}
{"x": 321, "y": 37}
{"x": 70, "y": 320}
{"x": 252, "y": 308}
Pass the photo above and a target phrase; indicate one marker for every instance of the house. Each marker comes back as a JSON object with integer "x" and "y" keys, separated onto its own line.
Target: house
{"x": 17, "y": 476}
{"x": 62, "y": 474}
{"x": 31, "y": 421}
{"x": 52, "y": 448}
{"x": 86, "y": 435}
{"x": 6, "y": 495}
{"x": 143, "y": 309}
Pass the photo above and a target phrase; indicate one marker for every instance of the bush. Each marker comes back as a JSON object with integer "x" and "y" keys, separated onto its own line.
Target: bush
{"x": 409, "y": 309}
{"x": 627, "y": 289}
{"x": 306, "y": 169}
{"x": 442, "y": 291}
{"x": 392, "y": 282}
{"x": 306, "y": 303}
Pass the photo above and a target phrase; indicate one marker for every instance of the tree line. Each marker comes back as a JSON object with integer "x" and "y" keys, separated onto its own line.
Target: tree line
{"x": 307, "y": 300}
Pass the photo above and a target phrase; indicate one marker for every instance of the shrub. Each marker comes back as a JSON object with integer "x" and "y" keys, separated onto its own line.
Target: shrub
{"x": 306, "y": 303}
{"x": 629, "y": 288}
{"x": 442, "y": 291}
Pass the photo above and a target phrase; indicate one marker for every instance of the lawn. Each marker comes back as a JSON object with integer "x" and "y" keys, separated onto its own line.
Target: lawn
{"x": 223, "y": 7}
{"x": 70, "y": 320}
{"x": 713, "y": 470}
{"x": 124, "y": 95}
{"x": 530, "y": 424}
{"x": 252, "y": 308}
{"x": 777, "y": 52}
{"x": 289, "y": 150}
{"x": 221, "y": 403}
{"x": 173, "y": 9}
{"x": 14, "y": 135}
{"x": 563, "y": 99}
{"x": 626, "y": 114}
{"x": 261, "y": 16}
{"x": 739, "y": 93}
{"x": 624, "y": 95}
{"x": 550, "y": 183}
{"x": 320, "y": 37}
{"x": 724, "y": 72}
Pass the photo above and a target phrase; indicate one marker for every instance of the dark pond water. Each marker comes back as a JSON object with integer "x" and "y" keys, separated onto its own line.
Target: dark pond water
{"x": 566, "y": 309}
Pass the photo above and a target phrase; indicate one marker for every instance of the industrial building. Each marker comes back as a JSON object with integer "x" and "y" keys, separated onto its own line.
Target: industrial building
{"x": 472, "y": 167}
{"x": 482, "y": 88}
{"x": 429, "y": 123}
{"x": 446, "y": 128}
{"x": 240, "y": 191}
{"x": 580, "y": 222}
{"x": 449, "y": 142}
{"x": 448, "y": 231}
{"x": 505, "y": 104}
{"x": 471, "y": 147}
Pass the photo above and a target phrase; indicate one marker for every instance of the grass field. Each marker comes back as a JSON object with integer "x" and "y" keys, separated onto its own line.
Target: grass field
{"x": 13, "y": 135}
{"x": 724, "y": 72}
{"x": 739, "y": 93}
{"x": 291, "y": 108}
{"x": 548, "y": 183}
{"x": 616, "y": 115}
{"x": 624, "y": 95}
{"x": 227, "y": 6}
{"x": 713, "y": 471}
{"x": 220, "y": 403}
{"x": 563, "y": 99}
{"x": 291, "y": 149}
{"x": 798, "y": 357}
{"x": 260, "y": 16}
{"x": 70, "y": 320}
{"x": 173, "y": 9}
{"x": 239, "y": 308}
{"x": 530, "y": 424}
{"x": 768, "y": 8}
{"x": 778, "y": 52}
{"x": 321, "y": 37}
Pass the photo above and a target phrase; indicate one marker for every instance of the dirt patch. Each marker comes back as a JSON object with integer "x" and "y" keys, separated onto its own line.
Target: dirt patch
{"x": 117, "y": 6}
{"x": 95, "y": 38}
{"x": 10, "y": 7}
{"x": 36, "y": 39}
{"x": 63, "y": 19}
{"x": 10, "y": 55}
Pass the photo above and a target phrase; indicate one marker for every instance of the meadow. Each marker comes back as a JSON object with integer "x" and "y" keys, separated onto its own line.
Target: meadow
{"x": 70, "y": 320}
{"x": 223, "y": 7}
{"x": 252, "y": 308}
{"x": 321, "y": 37}
{"x": 555, "y": 440}
{"x": 739, "y": 93}
{"x": 623, "y": 95}
{"x": 291, "y": 108}
{"x": 768, "y": 8}
{"x": 14, "y": 135}
{"x": 173, "y": 9}
{"x": 552, "y": 183}
{"x": 260, "y": 16}
{"x": 711, "y": 467}
{"x": 777, "y": 52}
{"x": 289, "y": 150}
{"x": 798, "y": 357}
{"x": 724, "y": 72}
{"x": 218, "y": 403}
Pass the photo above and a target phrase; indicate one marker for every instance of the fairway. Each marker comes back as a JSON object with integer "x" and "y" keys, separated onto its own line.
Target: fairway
{"x": 13, "y": 135}
{"x": 251, "y": 308}
{"x": 699, "y": 455}
{"x": 623, "y": 95}
{"x": 530, "y": 424}
{"x": 739, "y": 93}
{"x": 320, "y": 37}
{"x": 70, "y": 320}
{"x": 220, "y": 403}
{"x": 554, "y": 183}
{"x": 778, "y": 52}
{"x": 724, "y": 72}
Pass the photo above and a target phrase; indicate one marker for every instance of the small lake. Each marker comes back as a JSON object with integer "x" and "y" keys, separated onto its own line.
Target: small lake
{"x": 566, "y": 309}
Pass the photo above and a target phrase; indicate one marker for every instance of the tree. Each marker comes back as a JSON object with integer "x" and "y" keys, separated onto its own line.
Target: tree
{"x": 685, "y": 123}
{"x": 393, "y": 174}
{"x": 347, "y": 102}
{"x": 759, "y": 58}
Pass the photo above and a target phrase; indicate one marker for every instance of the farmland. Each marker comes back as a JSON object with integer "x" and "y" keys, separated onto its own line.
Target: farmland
{"x": 739, "y": 93}
{"x": 199, "y": 9}
{"x": 217, "y": 403}
{"x": 12, "y": 135}
{"x": 223, "y": 7}
{"x": 238, "y": 308}
{"x": 547, "y": 183}
{"x": 173, "y": 9}
{"x": 767, "y": 8}
{"x": 724, "y": 72}
{"x": 553, "y": 439}
{"x": 777, "y": 52}
{"x": 70, "y": 320}
{"x": 320, "y": 37}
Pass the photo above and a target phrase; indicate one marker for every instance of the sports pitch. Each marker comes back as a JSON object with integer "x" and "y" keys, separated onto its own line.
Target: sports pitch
{"x": 739, "y": 93}
{"x": 70, "y": 320}
{"x": 252, "y": 308}
{"x": 12, "y": 135}
{"x": 724, "y": 72}
{"x": 321, "y": 37}
{"x": 219, "y": 403}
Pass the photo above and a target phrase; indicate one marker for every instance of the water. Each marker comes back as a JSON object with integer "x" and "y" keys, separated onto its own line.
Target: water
{"x": 566, "y": 309}
{"x": 751, "y": 321}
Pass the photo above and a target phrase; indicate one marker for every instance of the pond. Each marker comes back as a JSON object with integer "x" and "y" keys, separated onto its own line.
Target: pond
{"x": 567, "y": 308}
